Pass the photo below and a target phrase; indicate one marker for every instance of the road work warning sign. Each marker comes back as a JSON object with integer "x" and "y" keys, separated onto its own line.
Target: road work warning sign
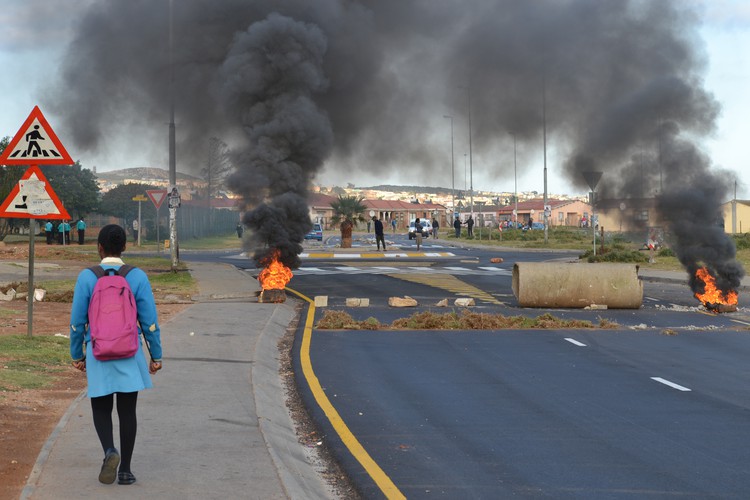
{"x": 33, "y": 198}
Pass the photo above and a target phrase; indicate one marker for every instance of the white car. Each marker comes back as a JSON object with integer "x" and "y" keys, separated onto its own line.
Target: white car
{"x": 426, "y": 229}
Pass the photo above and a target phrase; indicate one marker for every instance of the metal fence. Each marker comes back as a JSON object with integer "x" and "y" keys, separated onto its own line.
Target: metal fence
{"x": 192, "y": 222}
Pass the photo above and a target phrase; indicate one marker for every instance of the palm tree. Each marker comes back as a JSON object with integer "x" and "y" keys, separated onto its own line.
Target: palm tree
{"x": 346, "y": 211}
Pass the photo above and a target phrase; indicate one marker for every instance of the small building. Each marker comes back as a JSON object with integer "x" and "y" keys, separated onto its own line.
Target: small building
{"x": 562, "y": 212}
{"x": 404, "y": 212}
{"x": 386, "y": 210}
{"x": 736, "y": 216}
{"x": 628, "y": 214}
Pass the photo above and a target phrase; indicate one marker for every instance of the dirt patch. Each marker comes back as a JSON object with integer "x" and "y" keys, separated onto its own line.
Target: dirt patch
{"x": 29, "y": 416}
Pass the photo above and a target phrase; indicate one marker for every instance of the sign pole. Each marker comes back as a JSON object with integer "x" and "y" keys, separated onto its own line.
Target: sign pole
{"x": 158, "y": 239}
{"x": 30, "y": 296}
{"x": 140, "y": 227}
{"x": 157, "y": 198}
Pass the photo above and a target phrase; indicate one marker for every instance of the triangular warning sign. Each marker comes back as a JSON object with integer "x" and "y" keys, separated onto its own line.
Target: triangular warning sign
{"x": 157, "y": 196}
{"x": 33, "y": 198}
{"x": 35, "y": 143}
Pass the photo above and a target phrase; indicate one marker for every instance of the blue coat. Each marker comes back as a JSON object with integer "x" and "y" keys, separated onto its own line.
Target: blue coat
{"x": 120, "y": 375}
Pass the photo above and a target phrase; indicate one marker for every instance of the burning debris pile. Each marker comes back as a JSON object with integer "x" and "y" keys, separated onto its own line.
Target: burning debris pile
{"x": 273, "y": 278}
{"x": 712, "y": 297}
{"x": 700, "y": 242}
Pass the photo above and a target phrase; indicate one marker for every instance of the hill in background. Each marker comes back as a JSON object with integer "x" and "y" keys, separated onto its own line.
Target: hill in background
{"x": 144, "y": 174}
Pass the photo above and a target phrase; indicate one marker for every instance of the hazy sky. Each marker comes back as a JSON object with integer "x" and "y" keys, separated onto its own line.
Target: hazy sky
{"x": 35, "y": 36}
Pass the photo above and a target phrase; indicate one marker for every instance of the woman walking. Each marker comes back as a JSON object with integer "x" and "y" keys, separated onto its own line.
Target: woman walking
{"x": 122, "y": 377}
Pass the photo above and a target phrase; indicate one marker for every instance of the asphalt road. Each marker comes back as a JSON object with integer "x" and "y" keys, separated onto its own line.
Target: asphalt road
{"x": 657, "y": 408}
{"x": 532, "y": 414}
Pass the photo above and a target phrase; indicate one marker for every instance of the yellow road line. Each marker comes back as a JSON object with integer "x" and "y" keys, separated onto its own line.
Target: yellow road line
{"x": 350, "y": 441}
{"x": 450, "y": 283}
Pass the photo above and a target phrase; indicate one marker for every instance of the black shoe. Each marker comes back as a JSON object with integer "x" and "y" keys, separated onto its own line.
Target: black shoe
{"x": 125, "y": 478}
{"x": 109, "y": 467}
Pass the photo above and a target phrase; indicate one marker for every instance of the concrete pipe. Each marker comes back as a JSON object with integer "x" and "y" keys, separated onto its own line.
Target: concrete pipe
{"x": 577, "y": 285}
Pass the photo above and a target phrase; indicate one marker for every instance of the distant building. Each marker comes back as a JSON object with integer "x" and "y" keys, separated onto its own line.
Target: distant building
{"x": 562, "y": 212}
{"x": 736, "y": 216}
{"x": 628, "y": 214}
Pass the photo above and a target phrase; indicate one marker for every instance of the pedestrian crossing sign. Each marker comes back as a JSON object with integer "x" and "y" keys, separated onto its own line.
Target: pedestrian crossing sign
{"x": 35, "y": 143}
{"x": 33, "y": 198}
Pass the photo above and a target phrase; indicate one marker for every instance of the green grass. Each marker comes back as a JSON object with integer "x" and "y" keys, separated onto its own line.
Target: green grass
{"x": 179, "y": 283}
{"x": 212, "y": 243}
{"x": 31, "y": 362}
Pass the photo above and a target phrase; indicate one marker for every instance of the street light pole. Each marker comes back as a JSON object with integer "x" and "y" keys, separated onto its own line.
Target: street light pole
{"x": 453, "y": 169}
{"x": 544, "y": 129}
{"x": 465, "y": 181}
{"x": 471, "y": 166}
{"x": 515, "y": 181}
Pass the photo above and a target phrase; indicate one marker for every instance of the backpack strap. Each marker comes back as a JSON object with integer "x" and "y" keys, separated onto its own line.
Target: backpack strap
{"x": 99, "y": 271}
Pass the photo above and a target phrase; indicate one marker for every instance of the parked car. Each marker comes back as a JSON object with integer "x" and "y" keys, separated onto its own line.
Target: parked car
{"x": 316, "y": 233}
{"x": 534, "y": 225}
{"x": 426, "y": 229}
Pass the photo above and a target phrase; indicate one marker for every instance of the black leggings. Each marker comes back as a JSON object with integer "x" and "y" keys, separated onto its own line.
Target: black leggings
{"x": 102, "y": 410}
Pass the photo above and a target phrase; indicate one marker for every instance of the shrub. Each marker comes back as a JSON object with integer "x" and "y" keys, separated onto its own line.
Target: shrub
{"x": 615, "y": 253}
{"x": 742, "y": 241}
{"x": 666, "y": 252}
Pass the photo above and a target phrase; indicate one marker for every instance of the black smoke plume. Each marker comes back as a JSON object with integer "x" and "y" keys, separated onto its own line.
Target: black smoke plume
{"x": 292, "y": 85}
{"x": 269, "y": 79}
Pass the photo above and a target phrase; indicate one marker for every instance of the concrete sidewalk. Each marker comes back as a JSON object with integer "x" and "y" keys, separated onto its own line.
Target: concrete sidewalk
{"x": 215, "y": 425}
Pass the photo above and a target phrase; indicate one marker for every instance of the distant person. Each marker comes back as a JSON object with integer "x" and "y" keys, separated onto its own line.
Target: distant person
{"x": 66, "y": 231}
{"x": 61, "y": 233}
{"x": 393, "y": 224}
{"x": 470, "y": 227}
{"x": 123, "y": 377}
{"x": 457, "y": 227}
{"x": 136, "y": 227}
{"x": 379, "y": 234}
{"x": 81, "y": 227}
{"x": 369, "y": 225}
{"x": 435, "y": 227}
{"x": 240, "y": 229}
{"x": 49, "y": 232}
{"x": 418, "y": 233}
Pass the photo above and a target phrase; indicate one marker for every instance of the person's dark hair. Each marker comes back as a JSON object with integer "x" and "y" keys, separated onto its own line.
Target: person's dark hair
{"x": 112, "y": 238}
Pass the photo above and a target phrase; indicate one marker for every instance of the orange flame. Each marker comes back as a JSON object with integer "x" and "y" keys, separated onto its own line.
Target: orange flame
{"x": 711, "y": 294}
{"x": 275, "y": 275}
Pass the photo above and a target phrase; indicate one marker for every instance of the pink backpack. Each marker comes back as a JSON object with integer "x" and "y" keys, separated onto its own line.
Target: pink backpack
{"x": 113, "y": 317}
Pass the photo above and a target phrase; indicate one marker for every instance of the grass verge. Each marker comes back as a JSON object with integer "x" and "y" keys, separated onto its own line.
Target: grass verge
{"x": 465, "y": 320}
{"x": 31, "y": 362}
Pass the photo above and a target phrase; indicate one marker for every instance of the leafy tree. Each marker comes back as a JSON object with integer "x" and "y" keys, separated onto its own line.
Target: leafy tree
{"x": 347, "y": 210}
{"x": 118, "y": 202}
{"x": 9, "y": 177}
{"x": 217, "y": 168}
{"x": 75, "y": 186}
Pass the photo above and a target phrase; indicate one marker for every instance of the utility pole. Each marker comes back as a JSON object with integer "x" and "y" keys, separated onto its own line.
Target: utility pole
{"x": 172, "y": 161}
